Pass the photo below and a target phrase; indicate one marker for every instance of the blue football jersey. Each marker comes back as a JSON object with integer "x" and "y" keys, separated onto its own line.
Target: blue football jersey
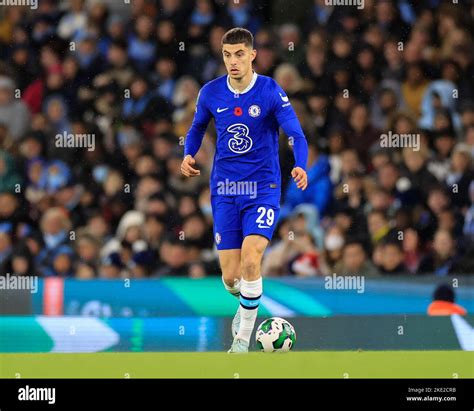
{"x": 247, "y": 125}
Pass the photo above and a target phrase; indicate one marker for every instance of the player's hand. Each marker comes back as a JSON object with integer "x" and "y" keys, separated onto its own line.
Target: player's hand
{"x": 187, "y": 169}
{"x": 300, "y": 177}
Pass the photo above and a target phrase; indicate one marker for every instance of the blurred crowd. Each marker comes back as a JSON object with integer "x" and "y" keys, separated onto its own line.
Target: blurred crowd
{"x": 128, "y": 75}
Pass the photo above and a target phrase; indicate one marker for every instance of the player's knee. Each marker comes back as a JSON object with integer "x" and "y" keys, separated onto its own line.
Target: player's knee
{"x": 231, "y": 272}
{"x": 229, "y": 277}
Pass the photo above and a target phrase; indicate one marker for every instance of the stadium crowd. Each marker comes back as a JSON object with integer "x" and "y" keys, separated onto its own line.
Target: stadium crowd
{"x": 128, "y": 77}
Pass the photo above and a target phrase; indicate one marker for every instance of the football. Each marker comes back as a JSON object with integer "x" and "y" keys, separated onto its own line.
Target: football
{"x": 275, "y": 335}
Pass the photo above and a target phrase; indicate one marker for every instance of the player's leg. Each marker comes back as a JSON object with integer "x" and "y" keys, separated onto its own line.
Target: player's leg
{"x": 228, "y": 238}
{"x": 230, "y": 267}
{"x": 258, "y": 224}
{"x": 251, "y": 288}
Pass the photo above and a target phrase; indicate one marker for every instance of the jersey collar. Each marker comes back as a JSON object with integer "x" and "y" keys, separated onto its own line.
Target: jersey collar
{"x": 252, "y": 82}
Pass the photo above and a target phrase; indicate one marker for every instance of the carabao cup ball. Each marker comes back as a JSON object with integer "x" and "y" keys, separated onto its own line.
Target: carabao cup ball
{"x": 275, "y": 335}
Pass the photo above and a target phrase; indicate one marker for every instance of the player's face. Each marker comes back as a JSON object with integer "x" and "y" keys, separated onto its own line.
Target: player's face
{"x": 238, "y": 59}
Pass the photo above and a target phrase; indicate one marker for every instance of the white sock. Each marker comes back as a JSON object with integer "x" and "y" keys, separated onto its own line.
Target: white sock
{"x": 250, "y": 293}
{"x": 235, "y": 289}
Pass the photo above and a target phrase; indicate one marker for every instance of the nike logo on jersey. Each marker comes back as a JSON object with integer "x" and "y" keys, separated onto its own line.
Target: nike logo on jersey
{"x": 220, "y": 110}
{"x": 284, "y": 98}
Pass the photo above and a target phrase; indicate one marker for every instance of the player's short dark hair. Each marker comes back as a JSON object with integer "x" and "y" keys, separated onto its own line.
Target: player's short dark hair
{"x": 238, "y": 35}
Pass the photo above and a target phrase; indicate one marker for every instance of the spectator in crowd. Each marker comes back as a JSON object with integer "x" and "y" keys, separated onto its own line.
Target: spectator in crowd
{"x": 6, "y": 243}
{"x": 10, "y": 179}
{"x": 289, "y": 78}
{"x": 444, "y": 142}
{"x": 414, "y": 169}
{"x": 378, "y": 225}
{"x": 361, "y": 134}
{"x": 438, "y": 98}
{"x": 444, "y": 302}
{"x": 173, "y": 254}
{"x": 333, "y": 246}
{"x": 143, "y": 105}
{"x": 142, "y": 50}
{"x": 443, "y": 257}
{"x": 319, "y": 184}
{"x": 240, "y": 15}
{"x": 468, "y": 228}
{"x": 385, "y": 103}
{"x": 87, "y": 248}
{"x": 13, "y": 112}
{"x": 56, "y": 255}
{"x": 412, "y": 248}
{"x": 20, "y": 262}
{"x": 74, "y": 20}
{"x": 460, "y": 176}
{"x": 355, "y": 260}
{"x": 438, "y": 201}
{"x": 202, "y": 19}
{"x": 392, "y": 259}
{"x": 62, "y": 263}
{"x": 291, "y": 44}
{"x": 336, "y": 145}
{"x": 414, "y": 87}
{"x": 110, "y": 268}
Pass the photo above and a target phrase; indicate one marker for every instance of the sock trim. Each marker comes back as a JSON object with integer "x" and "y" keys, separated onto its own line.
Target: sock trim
{"x": 251, "y": 298}
{"x": 249, "y": 308}
{"x": 249, "y": 303}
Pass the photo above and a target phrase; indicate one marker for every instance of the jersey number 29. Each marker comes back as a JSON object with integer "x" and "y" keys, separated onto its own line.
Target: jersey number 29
{"x": 264, "y": 212}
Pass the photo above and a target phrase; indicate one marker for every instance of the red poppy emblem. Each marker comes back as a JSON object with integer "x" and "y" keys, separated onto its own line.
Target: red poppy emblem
{"x": 238, "y": 111}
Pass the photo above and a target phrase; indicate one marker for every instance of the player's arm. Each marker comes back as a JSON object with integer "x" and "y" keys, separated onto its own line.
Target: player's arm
{"x": 194, "y": 137}
{"x": 293, "y": 129}
{"x": 287, "y": 120}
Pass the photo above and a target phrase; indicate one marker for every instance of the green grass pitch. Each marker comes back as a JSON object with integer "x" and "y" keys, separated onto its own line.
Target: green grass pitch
{"x": 318, "y": 364}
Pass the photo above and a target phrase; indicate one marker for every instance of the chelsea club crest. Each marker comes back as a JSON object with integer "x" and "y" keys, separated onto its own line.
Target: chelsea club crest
{"x": 254, "y": 110}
